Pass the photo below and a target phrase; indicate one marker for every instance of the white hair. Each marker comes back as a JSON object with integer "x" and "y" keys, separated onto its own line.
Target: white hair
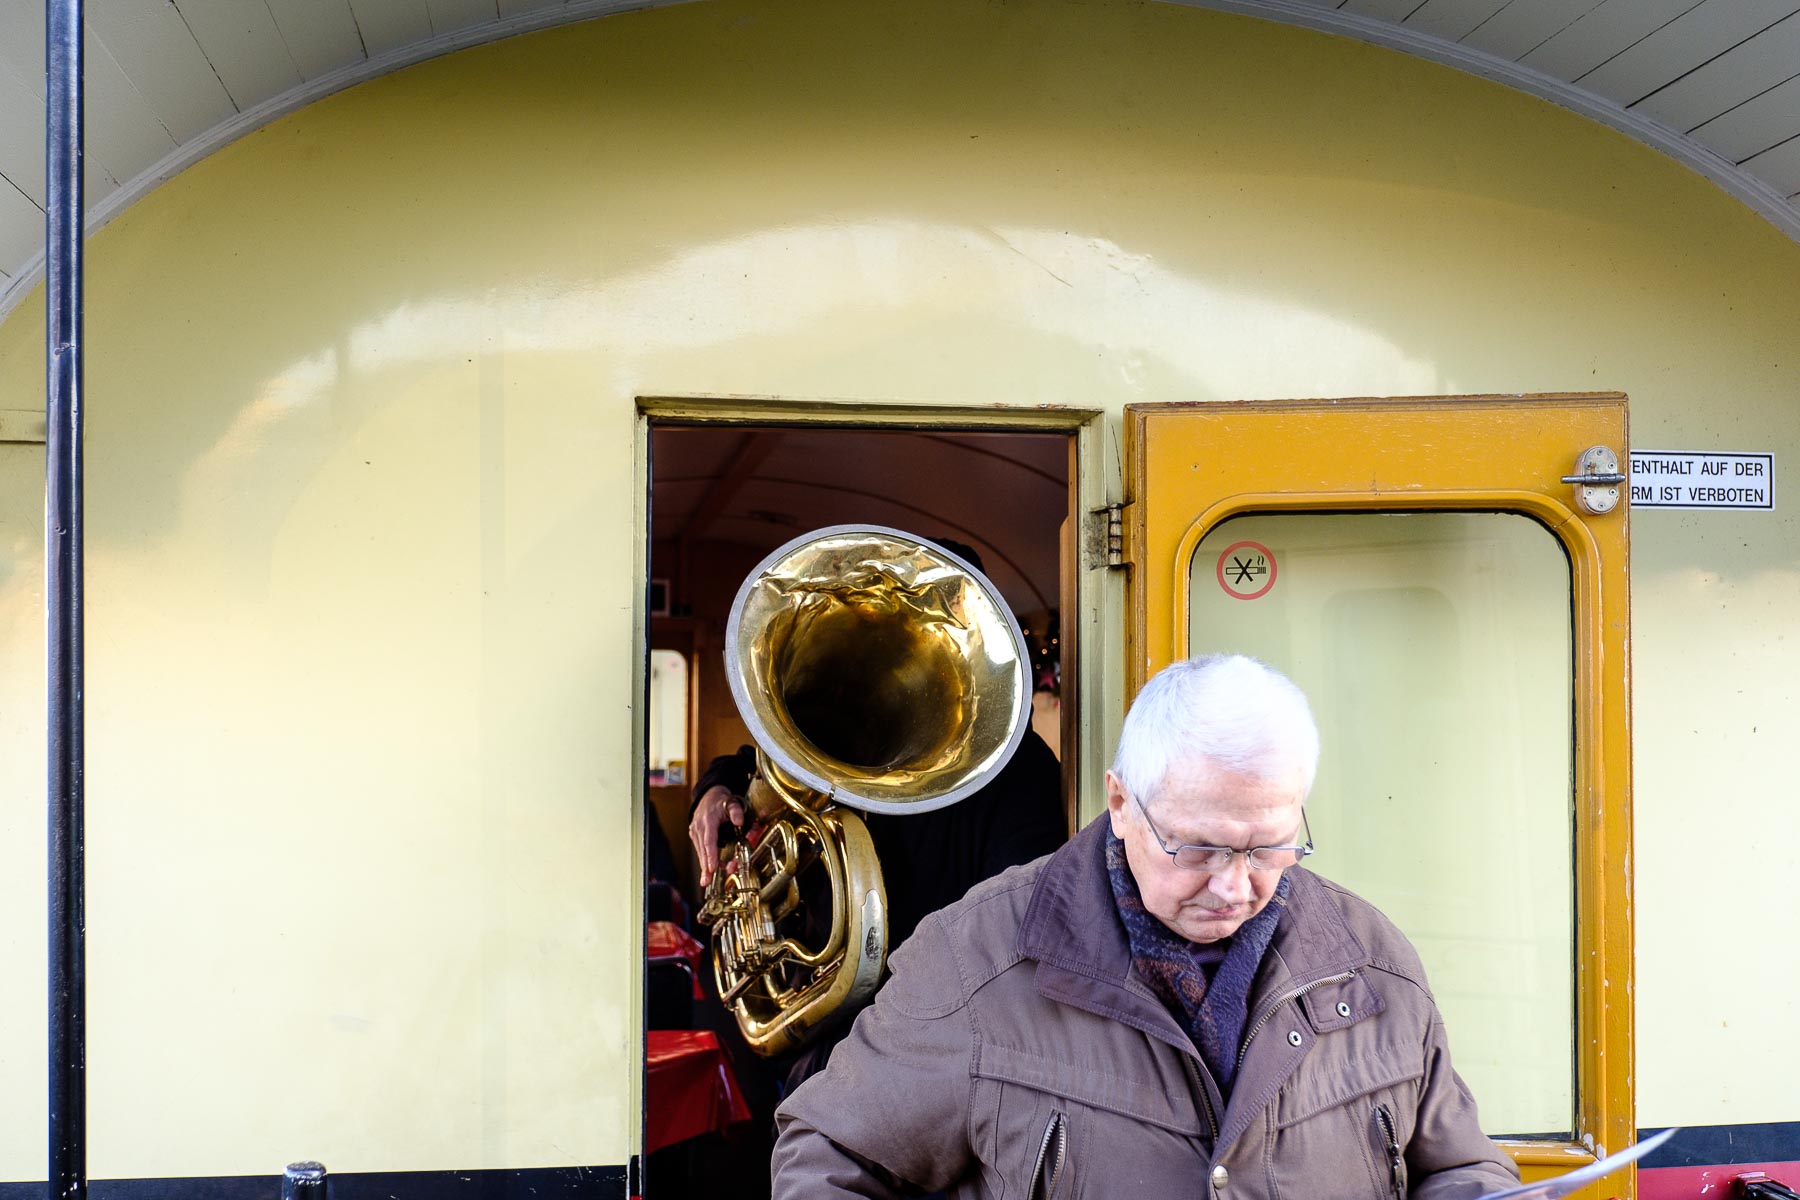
{"x": 1229, "y": 710}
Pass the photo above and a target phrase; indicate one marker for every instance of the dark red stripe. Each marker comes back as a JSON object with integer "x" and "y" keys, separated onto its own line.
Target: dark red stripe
{"x": 1707, "y": 1183}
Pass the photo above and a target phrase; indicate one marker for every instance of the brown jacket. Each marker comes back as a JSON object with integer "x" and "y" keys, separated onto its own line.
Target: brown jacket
{"x": 1013, "y": 1054}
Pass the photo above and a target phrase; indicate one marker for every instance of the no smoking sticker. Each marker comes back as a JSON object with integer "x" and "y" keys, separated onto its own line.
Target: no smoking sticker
{"x": 1246, "y": 570}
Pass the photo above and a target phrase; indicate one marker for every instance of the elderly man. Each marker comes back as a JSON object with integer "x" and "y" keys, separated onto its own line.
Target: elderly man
{"x": 1167, "y": 1006}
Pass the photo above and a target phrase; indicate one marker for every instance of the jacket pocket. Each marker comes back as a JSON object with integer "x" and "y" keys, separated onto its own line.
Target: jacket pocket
{"x": 1388, "y": 1151}
{"x": 1369, "y": 1127}
{"x": 1164, "y": 1100}
{"x": 1052, "y": 1151}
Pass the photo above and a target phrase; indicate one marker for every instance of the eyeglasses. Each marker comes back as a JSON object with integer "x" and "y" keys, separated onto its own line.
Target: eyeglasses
{"x": 1218, "y": 858}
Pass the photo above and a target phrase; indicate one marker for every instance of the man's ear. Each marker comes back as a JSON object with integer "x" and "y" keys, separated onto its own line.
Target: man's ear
{"x": 1115, "y": 804}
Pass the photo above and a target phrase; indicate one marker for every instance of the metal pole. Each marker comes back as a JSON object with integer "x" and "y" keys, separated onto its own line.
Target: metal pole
{"x": 304, "y": 1181}
{"x": 63, "y": 597}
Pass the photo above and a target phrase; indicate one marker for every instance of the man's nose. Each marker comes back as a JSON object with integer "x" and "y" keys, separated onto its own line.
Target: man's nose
{"x": 1232, "y": 882}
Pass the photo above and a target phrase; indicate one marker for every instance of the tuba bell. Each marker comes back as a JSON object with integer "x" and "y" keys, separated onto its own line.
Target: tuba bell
{"x": 879, "y": 672}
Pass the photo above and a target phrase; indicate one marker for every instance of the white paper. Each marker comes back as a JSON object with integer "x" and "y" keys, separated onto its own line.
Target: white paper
{"x": 1562, "y": 1185}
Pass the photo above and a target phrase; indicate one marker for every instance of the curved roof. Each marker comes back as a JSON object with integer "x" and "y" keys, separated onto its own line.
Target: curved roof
{"x": 1713, "y": 83}
{"x": 760, "y": 487}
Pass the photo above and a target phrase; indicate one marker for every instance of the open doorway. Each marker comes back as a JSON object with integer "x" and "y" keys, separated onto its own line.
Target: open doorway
{"x": 722, "y": 498}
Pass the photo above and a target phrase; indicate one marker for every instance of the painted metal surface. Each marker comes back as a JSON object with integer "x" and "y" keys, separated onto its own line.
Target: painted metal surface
{"x": 1190, "y": 467}
{"x": 366, "y": 500}
{"x": 23, "y": 846}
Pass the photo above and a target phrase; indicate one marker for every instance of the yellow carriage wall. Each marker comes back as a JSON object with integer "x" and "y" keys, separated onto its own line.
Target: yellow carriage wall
{"x": 366, "y": 507}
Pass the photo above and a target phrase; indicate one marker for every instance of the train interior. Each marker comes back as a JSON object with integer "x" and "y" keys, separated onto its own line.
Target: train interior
{"x": 722, "y": 498}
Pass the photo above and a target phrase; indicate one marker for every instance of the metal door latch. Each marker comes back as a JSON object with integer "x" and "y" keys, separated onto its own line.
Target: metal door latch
{"x": 1597, "y": 480}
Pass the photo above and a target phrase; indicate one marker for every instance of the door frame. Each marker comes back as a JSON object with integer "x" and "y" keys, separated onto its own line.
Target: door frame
{"x": 1091, "y": 623}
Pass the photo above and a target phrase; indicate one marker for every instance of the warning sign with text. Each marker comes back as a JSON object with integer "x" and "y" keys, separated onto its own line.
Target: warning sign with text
{"x": 1701, "y": 479}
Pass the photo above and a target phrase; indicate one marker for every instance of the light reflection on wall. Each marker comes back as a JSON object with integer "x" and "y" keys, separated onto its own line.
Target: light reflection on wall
{"x": 1081, "y": 288}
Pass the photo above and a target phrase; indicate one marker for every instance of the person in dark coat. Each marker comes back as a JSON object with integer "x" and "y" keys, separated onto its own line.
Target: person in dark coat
{"x": 928, "y": 860}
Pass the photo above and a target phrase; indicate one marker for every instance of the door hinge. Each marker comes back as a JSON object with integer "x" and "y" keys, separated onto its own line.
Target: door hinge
{"x": 1104, "y": 543}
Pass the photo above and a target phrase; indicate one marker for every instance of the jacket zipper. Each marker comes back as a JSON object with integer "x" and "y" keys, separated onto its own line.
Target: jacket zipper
{"x": 1050, "y": 1155}
{"x": 1212, "y": 1120}
{"x": 1281, "y": 1000}
{"x": 1396, "y": 1161}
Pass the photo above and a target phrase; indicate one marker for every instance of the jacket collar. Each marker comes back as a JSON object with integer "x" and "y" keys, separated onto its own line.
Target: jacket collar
{"x": 1071, "y": 923}
{"x": 1072, "y": 930}
{"x": 1312, "y": 942}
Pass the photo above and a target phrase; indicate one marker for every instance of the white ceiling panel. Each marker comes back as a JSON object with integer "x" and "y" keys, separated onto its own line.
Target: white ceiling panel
{"x": 1381, "y": 10}
{"x": 389, "y": 24}
{"x": 1604, "y": 31}
{"x": 321, "y": 35}
{"x": 1779, "y": 167}
{"x": 242, "y": 43}
{"x": 512, "y": 8}
{"x": 22, "y": 137}
{"x": 22, "y": 43}
{"x": 1524, "y": 25}
{"x": 21, "y": 228}
{"x": 447, "y": 15}
{"x": 122, "y": 132}
{"x": 153, "y": 46}
{"x": 1741, "y": 73}
{"x": 22, "y": 60}
{"x": 1754, "y": 125}
{"x": 1690, "y": 40}
{"x": 1451, "y": 19}
{"x": 97, "y": 183}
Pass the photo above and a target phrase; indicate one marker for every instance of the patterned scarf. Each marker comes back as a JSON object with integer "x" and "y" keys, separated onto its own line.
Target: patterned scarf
{"x": 1212, "y": 1014}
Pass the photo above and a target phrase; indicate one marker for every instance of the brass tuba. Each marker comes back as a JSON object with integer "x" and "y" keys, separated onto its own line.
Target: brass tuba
{"x": 877, "y": 671}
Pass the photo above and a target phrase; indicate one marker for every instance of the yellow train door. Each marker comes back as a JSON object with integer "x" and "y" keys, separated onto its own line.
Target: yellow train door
{"x": 1454, "y": 601}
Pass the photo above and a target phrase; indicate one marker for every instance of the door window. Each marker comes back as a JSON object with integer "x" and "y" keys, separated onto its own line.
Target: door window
{"x": 668, "y": 750}
{"x": 1435, "y": 649}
